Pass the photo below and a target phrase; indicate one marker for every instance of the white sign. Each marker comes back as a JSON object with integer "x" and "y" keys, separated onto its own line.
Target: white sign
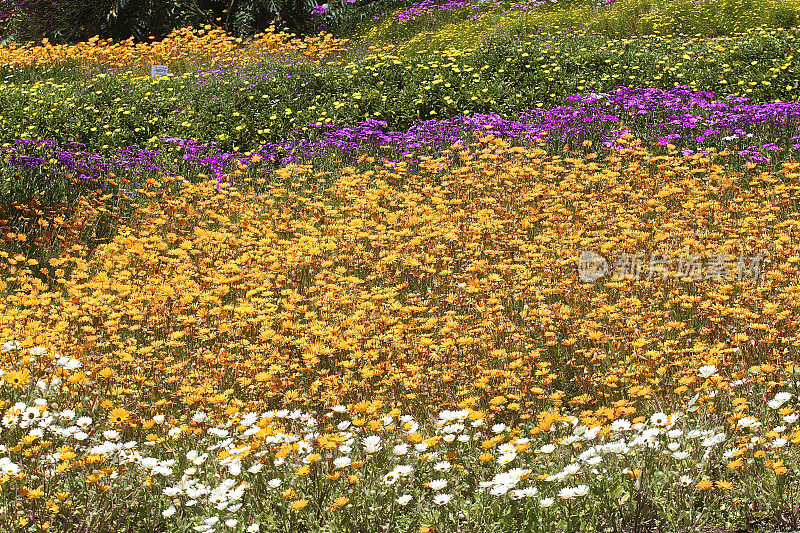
{"x": 156, "y": 71}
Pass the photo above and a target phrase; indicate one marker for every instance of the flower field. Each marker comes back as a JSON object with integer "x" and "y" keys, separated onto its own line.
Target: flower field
{"x": 325, "y": 284}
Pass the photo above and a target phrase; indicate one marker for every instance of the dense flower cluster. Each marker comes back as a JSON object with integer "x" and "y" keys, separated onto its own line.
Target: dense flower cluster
{"x": 202, "y": 46}
{"x": 690, "y": 120}
{"x": 238, "y": 470}
{"x": 351, "y": 285}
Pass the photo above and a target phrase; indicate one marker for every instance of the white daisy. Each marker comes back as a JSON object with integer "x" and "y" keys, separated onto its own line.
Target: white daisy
{"x": 400, "y": 449}
{"x": 404, "y": 470}
{"x": 342, "y": 462}
{"x": 438, "y": 484}
{"x": 707, "y": 371}
{"x": 442, "y": 499}
{"x": 506, "y": 458}
{"x": 779, "y": 399}
{"x": 546, "y": 502}
{"x": 442, "y": 466}
{"x": 659, "y": 419}
{"x": 621, "y": 424}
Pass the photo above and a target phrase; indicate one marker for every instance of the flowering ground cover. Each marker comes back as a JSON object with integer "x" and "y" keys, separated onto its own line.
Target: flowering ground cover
{"x": 248, "y": 104}
{"x": 684, "y": 118}
{"x": 561, "y": 314}
{"x": 380, "y": 293}
{"x": 431, "y": 25}
{"x": 203, "y": 47}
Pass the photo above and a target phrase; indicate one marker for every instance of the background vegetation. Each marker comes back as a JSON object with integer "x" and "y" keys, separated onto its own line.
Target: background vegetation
{"x": 247, "y": 105}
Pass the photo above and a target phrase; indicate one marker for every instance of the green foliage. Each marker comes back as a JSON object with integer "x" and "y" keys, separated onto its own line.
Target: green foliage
{"x": 65, "y": 21}
{"x": 57, "y": 20}
{"x": 144, "y": 18}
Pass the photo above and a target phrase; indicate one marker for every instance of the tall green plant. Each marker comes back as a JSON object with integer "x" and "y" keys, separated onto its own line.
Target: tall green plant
{"x": 65, "y": 21}
{"x": 144, "y": 18}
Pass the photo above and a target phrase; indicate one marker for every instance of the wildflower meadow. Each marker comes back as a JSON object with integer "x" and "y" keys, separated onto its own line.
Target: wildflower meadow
{"x": 440, "y": 267}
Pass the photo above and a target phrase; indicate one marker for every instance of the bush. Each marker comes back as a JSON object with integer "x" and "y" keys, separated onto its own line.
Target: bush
{"x": 56, "y": 20}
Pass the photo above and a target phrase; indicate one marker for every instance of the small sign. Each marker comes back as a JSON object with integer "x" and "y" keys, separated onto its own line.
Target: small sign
{"x": 156, "y": 71}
